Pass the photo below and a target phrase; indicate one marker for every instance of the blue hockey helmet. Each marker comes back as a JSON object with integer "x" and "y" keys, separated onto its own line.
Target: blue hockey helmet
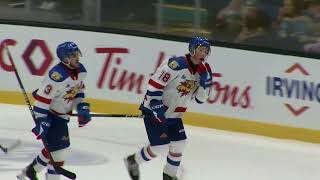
{"x": 65, "y": 49}
{"x": 198, "y": 41}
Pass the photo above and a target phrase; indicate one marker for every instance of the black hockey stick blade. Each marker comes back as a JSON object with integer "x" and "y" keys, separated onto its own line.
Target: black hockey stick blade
{"x": 4, "y": 149}
{"x": 65, "y": 172}
{"x": 11, "y": 147}
{"x": 58, "y": 168}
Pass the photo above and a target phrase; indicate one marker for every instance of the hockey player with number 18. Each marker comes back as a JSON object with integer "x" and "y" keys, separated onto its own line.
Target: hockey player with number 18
{"x": 169, "y": 89}
{"x": 61, "y": 91}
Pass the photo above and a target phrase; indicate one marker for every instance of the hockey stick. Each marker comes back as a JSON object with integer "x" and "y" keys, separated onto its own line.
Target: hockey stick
{"x": 4, "y": 149}
{"x": 10, "y": 147}
{"x": 113, "y": 115}
{"x": 58, "y": 168}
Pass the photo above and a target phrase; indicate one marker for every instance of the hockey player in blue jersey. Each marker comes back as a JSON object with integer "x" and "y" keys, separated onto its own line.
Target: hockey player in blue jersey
{"x": 175, "y": 82}
{"x": 61, "y": 91}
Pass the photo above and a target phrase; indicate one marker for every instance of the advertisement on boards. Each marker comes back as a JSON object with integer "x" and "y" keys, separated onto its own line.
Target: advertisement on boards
{"x": 250, "y": 86}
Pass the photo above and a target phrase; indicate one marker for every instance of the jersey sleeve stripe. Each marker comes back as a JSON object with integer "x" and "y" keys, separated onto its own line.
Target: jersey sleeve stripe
{"x": 154, "y": 93}
{"x": 40, "y": 110}
{"x": 41, "y": 99}
{"x": 180, "y": 109}
{"x": 41, "y": 105}
{"x": 155, "y": 84}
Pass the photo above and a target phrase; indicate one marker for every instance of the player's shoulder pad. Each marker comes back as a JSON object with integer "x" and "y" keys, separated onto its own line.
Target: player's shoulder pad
{"x": 177, "y": 63}
{"x": 82, "y": 68}
{"x": 58, "y": 73}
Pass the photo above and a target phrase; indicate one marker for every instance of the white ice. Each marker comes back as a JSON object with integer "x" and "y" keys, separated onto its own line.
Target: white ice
{"x": 97, "y": 151}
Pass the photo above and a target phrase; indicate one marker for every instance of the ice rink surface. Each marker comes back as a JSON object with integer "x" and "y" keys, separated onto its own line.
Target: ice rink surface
{"x": 97, "y": 151}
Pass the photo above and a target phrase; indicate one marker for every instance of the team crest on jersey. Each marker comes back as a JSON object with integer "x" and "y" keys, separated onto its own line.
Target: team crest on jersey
{"x": 173, "y": 65}
{"x": 185, "y": 87}
{"x": 56, "y": 76}
{"x": 70, "y": 94}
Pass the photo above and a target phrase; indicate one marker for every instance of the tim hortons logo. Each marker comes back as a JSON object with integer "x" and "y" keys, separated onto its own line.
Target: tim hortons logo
{"x": 111, "y": 72}
{"x": 294, "y": 89}
{"x": 228, "y": 94}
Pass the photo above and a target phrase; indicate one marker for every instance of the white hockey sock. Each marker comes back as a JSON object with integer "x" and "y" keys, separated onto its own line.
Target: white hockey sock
{"x": 144, "y": 155}
{"x": 172, "y": 165}
{"x": 42, "y": 161}
{"x": 52, "y": 177}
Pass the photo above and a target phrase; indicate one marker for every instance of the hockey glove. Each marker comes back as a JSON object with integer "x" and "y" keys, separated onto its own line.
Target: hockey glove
{"x": 205, "y": 73}
{"x": 41, "y": 128}
{"x": 84, "y": 113}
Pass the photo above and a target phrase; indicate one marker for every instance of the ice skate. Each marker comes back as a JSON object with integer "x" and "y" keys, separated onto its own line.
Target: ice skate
{"x": 28, "y": 173}
{"x": 167, "y": 177}
{"x": 132, "y": 167}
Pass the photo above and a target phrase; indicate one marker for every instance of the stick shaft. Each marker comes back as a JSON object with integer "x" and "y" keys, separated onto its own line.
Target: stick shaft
{"x": 113, "y": 115}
